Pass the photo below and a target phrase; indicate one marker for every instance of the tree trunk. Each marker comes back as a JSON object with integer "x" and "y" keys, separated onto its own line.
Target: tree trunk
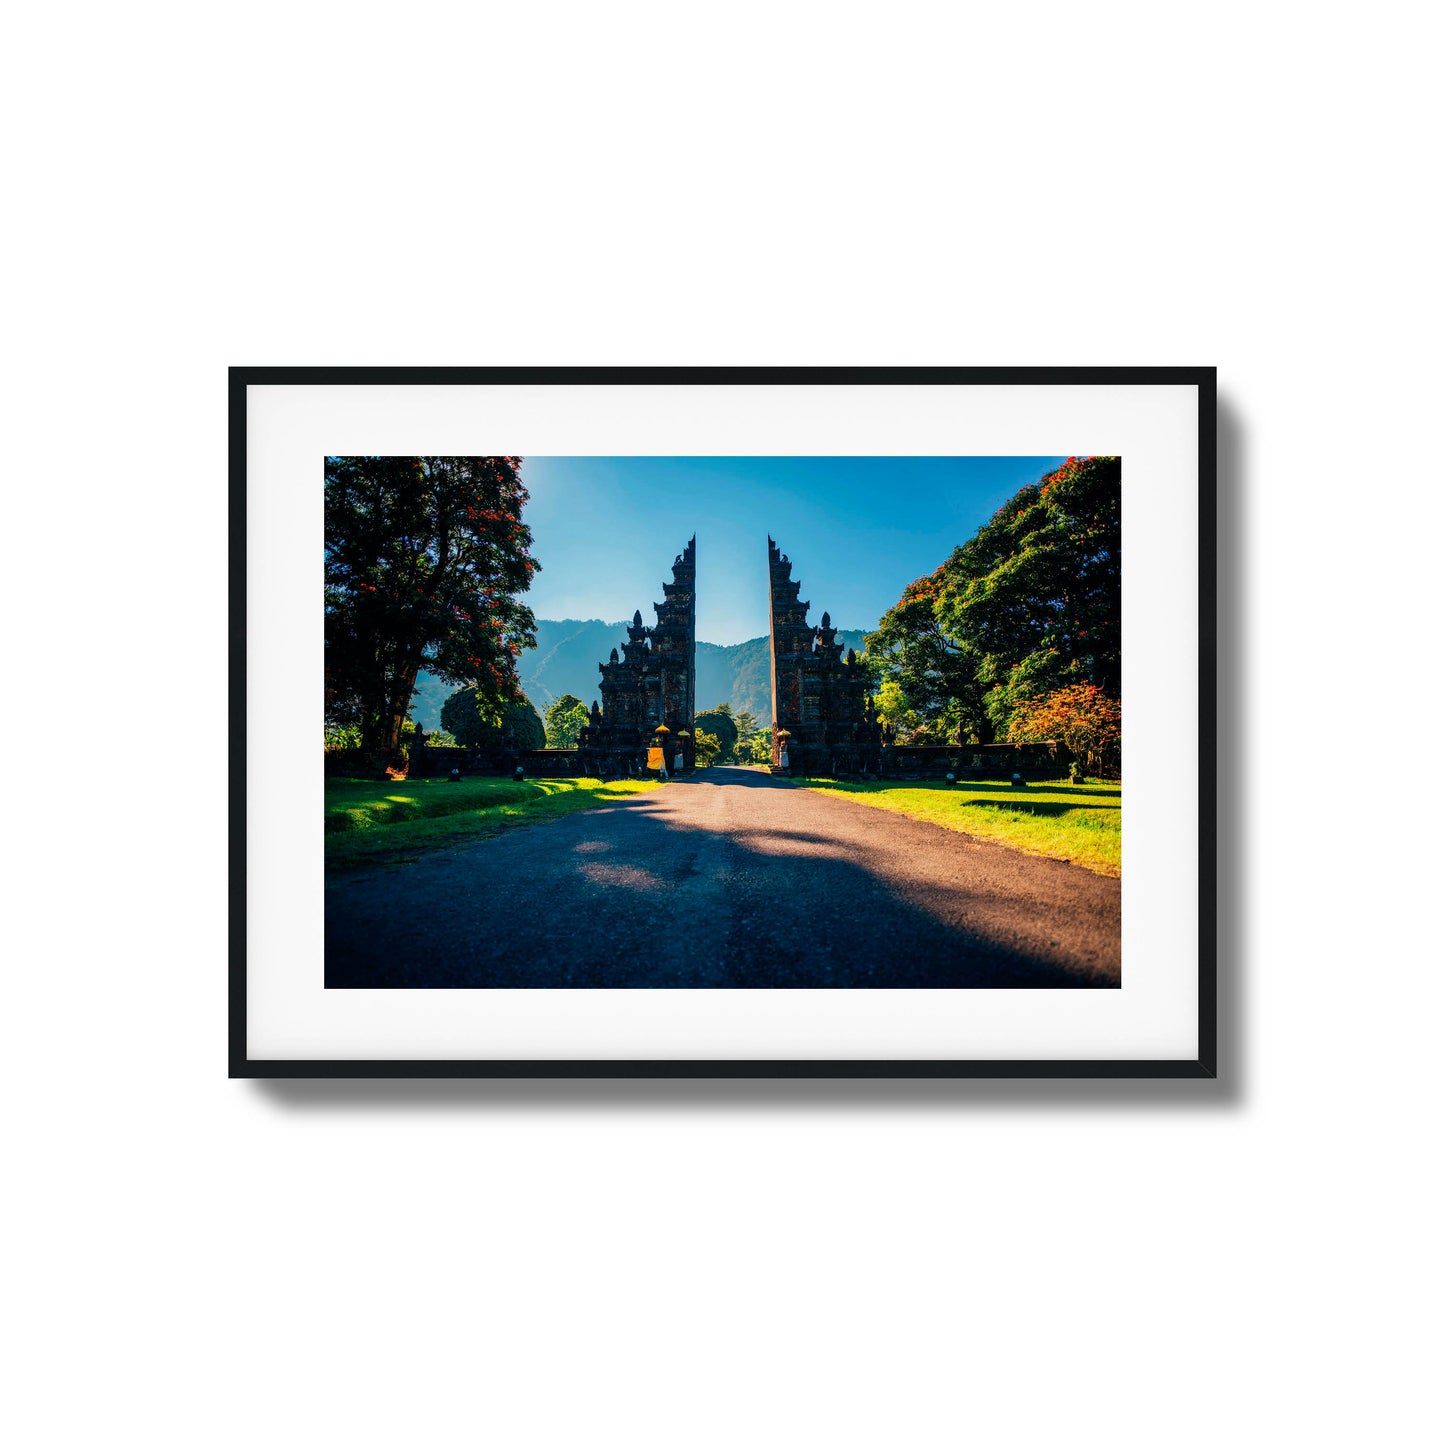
{"x": 400, "y": 704}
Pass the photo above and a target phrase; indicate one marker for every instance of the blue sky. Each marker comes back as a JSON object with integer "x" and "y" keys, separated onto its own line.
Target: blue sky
{"x": 858, "y": 530}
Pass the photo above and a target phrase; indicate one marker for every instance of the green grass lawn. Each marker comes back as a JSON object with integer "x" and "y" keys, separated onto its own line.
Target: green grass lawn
{"x": 369, "y": 823}
{"x": 1078, "y": 822}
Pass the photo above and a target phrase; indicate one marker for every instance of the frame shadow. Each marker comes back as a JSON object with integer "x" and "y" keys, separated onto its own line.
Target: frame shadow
{"x": 1228, "y": 1091}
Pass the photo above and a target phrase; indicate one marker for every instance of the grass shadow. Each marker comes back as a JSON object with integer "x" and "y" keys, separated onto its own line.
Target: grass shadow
{"x": 968, "y": 786}
{"x": 1036, "y": 809}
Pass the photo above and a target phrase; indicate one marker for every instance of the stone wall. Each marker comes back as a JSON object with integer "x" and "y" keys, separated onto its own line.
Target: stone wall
{"x": 361, "y": 762}
{"x": 495, "y": 762}
{"x": 975, "y": 762}
{"x": 903, "y": 762}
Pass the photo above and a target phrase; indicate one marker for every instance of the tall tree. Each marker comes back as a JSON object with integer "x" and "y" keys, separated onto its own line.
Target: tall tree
{"x": 1028, "y": 605}
{"x": 425, "y": 558}
{"x": 934, "y": 667}
{"x": 705, "y": 748}
{"x": 756, "y": 749}
{"x": 719, "y": 723}
{"x": 1038, "y": 591}
{"x": 891, "y": 708}
{"x": 474, "y": 725}
{"x": 565, "y": 719}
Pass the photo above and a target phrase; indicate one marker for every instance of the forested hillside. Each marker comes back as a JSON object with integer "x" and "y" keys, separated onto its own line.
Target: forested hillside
{"x": 740, "y": 674}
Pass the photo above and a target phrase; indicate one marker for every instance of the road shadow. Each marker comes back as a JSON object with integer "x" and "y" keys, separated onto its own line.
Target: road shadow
{"x": 724, "y": 775}
{"x": 663, "y": 903}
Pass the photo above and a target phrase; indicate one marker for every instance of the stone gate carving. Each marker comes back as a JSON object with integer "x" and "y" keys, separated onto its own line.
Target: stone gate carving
{"x": 820, "y": 698}
{"x": 653, "y": 683}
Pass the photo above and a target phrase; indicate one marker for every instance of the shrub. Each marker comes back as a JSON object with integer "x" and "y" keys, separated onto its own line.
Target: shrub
{"x": 758, "y": 749}
{"x": 518, "y": 727}
{"x": 721, "y": 726}
{"x": 1083, "y": 717}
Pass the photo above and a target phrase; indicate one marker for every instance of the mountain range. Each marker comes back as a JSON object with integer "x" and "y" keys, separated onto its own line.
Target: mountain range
{"x": 566, "y": 657}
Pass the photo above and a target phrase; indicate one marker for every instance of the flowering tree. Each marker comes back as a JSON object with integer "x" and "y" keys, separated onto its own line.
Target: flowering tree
{"x": 424, "y": 558}
{"x": 1082, "y": 716}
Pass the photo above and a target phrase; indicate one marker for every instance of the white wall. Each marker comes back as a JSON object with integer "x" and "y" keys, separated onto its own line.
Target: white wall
{"x": 197, "y": 1259}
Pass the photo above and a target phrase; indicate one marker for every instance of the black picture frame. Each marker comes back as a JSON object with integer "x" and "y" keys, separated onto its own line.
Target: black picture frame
{"x": 1204, "y": 1065}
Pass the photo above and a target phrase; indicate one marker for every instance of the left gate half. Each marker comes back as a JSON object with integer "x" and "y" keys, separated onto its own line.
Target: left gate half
{"x": 652, "y": 685}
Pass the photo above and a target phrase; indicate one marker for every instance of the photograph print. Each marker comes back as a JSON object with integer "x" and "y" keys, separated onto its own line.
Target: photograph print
{"x": 705, "y": 722}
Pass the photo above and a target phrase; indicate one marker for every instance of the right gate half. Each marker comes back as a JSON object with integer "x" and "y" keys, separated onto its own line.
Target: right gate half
{"x": 822, "y": 711}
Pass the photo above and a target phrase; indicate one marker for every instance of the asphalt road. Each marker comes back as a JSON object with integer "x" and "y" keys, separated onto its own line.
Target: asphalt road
{"x": 729, "y": 879}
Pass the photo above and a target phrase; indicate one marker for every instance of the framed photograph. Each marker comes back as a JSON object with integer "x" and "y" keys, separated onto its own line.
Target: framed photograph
{"x": 799, "y": 722}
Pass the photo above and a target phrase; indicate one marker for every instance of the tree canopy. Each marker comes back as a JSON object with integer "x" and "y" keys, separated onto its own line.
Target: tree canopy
{"x": 1028, "y": 606}
{"x": 934, "y": 669}
{"x": 424, "y": 561}
{"x": 720, "y": 724}
{"x": 756, "y": 748}
{"x": 892, "y": 709}
{"x": 565, "y": 719}
{"x": 517, "y": 725}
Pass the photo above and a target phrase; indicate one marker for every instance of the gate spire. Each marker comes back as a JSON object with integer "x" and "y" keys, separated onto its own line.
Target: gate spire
{"x": 655, "y": 682}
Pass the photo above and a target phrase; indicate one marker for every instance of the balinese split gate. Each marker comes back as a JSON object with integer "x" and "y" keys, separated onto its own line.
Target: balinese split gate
{"x": 823, "y": 719}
